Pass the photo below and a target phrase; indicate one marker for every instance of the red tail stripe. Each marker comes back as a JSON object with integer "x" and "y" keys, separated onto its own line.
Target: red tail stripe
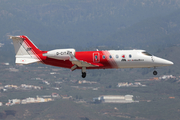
{"x": 34, "y": 49}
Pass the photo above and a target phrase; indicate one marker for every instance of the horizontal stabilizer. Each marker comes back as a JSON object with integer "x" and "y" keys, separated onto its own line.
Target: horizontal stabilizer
{"x": 16, "y": 38}
{"x": 26, "y": 60}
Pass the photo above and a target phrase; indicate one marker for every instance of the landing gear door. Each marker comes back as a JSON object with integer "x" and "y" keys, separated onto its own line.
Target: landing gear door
{"x": 96, "y": 57}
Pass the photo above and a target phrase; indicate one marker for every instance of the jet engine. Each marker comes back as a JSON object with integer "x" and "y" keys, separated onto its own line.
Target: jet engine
{"x": 60, "y": 54}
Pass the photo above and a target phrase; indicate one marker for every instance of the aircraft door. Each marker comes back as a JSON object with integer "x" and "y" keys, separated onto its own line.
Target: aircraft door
{"x": 96, "y": 57}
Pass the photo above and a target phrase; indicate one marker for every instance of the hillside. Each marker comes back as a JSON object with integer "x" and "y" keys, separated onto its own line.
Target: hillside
{"x": 62, "y": 109}
{"x": 152, "y": 25}
{"x": 158, "y": 31}
{"x": 71, "y": 23}
{"x": 159, "y": 99}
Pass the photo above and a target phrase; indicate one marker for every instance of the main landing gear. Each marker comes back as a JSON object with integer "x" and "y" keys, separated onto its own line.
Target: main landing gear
{"x": 83, "y": 72}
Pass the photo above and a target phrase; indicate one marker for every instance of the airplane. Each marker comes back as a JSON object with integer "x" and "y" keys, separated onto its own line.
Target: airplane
{"x": 27, "y": 53}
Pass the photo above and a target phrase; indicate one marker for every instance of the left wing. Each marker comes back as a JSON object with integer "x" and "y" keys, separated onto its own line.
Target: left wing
{"x": 81, "y": 63}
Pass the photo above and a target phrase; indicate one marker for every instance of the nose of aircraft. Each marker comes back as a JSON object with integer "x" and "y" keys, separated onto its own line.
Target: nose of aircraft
{"x": 161, "y": 62}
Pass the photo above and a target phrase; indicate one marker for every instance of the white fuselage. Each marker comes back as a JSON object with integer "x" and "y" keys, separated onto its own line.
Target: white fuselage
{"x": 137, "y": 59}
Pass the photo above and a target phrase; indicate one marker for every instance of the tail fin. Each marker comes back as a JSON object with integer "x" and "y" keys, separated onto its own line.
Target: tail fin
{"x": 26, "y": 52}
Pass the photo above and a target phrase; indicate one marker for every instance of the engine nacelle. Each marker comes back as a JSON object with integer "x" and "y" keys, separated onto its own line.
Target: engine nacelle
{"x": 61, "y": 54}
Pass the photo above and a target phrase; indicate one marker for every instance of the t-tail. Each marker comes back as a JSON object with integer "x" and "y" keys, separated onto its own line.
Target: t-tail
{"x": 26, "y": 52}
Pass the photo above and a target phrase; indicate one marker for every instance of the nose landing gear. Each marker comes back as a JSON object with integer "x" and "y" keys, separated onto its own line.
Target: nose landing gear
{"x": 155, "y": 72}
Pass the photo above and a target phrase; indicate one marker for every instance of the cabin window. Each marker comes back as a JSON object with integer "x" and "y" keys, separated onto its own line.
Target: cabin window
{"x": 130, "y": 56}
{"x": 117, "y": 56}
{"x": 104, "y": 56}
{"x": 110, "y": 56}
{"x": 146, "y": 53}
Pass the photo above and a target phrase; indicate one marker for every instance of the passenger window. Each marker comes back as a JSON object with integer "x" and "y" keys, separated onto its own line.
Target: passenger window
{"x": 96, "y": 57}
{"x": 130, "y": 56}
{"x": 117, "y": 56}
{"x": 104, "y": 56}
{"x": 110, "y": 56}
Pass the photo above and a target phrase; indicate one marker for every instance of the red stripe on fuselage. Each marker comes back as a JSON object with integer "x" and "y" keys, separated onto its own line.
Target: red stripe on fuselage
{"x": 86, "y": 56}
{"x": 58, "y": 63}
{"x": 110, "y": 59}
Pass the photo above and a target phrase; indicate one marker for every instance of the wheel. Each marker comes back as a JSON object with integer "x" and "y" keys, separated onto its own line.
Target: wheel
{"x": 83, "y": 74}
{"x": 155, "y": 73}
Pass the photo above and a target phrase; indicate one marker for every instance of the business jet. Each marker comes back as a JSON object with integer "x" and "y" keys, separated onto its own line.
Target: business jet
{"x": 27, "y": 53}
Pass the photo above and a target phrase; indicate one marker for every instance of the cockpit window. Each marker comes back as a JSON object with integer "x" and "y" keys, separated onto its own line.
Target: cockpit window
{"x": 146, "y": 53}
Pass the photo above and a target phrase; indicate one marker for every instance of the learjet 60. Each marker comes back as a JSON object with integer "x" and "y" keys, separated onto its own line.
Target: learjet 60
{"x": 26, "y": 53}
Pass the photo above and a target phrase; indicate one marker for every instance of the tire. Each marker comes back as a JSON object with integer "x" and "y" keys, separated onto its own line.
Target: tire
{"x": 83, "y": 74}
{"x": 155, "y": 73}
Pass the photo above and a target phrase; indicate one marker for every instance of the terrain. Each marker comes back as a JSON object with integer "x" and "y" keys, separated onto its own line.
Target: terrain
{"x": 89, "y": 25}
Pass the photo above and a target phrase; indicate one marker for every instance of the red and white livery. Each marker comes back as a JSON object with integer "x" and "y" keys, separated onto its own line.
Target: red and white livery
{"x": 27, "y": 53}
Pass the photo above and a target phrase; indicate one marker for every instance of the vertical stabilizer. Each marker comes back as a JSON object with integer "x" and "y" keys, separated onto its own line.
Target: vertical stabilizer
{"x": 26, "y": 52}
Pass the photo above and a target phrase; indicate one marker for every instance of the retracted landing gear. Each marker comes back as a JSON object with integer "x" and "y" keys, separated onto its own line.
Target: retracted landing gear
{"x": 83, "y": 72}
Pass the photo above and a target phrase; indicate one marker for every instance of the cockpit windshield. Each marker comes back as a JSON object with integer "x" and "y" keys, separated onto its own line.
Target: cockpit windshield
{"x": 146, "y": 53}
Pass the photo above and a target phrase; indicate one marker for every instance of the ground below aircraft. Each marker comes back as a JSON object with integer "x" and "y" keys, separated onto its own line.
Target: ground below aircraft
{"x": 26, "y": 53}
